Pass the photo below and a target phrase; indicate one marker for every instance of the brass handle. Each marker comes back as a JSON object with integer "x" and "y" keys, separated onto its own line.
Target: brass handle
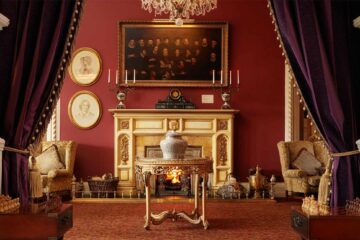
{"x": 298, "y": 222}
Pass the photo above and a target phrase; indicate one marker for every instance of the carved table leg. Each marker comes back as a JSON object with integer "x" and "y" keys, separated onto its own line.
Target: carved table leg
{"x": 205, "y": 222}
{"x": 147, "y": 176}
{"x": 196, "y": 196}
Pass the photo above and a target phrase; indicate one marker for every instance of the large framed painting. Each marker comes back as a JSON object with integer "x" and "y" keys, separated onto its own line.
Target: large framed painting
{"x": 84, "y": 109}
{"x": 164, "y": 54}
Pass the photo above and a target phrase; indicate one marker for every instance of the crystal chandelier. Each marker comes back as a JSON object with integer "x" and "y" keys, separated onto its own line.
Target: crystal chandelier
{"x": 179, "y": 9}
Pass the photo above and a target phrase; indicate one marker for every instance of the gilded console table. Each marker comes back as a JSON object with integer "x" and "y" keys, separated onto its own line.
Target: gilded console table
{"x": 154, "y": 166}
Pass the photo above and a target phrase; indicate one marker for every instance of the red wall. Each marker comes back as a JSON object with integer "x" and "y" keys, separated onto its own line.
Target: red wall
{"x": 253, "y": 50}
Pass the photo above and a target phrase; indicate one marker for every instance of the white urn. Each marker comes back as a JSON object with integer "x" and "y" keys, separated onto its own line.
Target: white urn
{"x": 173, "y": 146}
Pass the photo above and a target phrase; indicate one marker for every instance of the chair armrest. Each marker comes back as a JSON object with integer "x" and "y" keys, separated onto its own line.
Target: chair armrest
{"x": 58, "y": 173}
{"x": 294, "y": 173}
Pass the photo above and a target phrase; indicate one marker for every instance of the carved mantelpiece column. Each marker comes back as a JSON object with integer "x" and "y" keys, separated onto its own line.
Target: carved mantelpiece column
{"x": 137, "y": 130}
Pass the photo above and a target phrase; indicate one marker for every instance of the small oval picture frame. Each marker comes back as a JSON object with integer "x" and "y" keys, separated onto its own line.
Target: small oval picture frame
{"x": 84, "y": 109}
{"x": 85, "y": 66}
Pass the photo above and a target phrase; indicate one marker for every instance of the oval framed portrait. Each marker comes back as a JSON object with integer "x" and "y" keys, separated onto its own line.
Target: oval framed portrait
{"x": 85, "y": 66}
{"x": 84, "y": 109}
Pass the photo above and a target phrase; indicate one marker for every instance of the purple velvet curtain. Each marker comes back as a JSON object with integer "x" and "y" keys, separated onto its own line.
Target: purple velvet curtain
{"x": 323, "y": 50}
{"x": 32, "y": 53}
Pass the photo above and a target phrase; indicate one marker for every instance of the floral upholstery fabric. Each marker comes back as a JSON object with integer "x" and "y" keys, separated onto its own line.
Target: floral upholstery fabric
{"x": 60, "y": 179}
{"x": 295, "y": 179}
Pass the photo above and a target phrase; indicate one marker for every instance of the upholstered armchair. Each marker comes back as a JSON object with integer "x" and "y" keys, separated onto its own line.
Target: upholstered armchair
{"x": 59, "y": 179}
{"x": 297, "y": 180}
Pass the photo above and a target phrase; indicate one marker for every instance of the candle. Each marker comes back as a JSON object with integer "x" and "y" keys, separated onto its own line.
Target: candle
{"x": 221, "y": 77}
{"x": 238, "y": 78}
{"x": 117, "y": 77}
{"x": 213, "y": 76}
{"x": 134, "y": 75}
{"x": 125, "y": 76}
{"x": 230, "y": 77}
{"x": 109, "y": 76}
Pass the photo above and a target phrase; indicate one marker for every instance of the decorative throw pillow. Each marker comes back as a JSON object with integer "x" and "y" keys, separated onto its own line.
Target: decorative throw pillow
{"x": 306, "y": 162}
{"x": 49, "y": 159}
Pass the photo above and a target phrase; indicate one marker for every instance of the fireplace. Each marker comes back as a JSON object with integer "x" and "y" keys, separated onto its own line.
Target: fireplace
{"x": 138, "y": 132}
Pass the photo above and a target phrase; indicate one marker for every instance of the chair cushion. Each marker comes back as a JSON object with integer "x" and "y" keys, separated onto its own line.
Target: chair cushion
{"x": 307, "y": 162}
{"x": 49, "y": 159}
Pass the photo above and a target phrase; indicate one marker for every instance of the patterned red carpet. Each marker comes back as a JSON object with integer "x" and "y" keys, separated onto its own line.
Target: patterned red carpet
{"x": 228, "y": 220}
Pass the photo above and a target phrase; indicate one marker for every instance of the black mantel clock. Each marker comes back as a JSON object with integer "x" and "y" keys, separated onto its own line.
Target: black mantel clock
{"x": 174, "y": 100}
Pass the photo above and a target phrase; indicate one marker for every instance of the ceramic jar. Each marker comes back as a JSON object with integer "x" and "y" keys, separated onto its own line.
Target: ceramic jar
{"x": 173, "y": 146}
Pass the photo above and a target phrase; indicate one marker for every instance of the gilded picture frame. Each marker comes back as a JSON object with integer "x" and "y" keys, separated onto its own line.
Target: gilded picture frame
{"x": 84, "y": 109}
{"x": 162, "y": 54}
{"x": 85, "y": 66}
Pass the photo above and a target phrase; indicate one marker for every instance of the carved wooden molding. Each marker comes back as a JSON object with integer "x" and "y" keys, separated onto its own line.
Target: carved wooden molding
{"x": 124, "y": 149}
{"x": 222, "y": 152}
{"x": 288, "y": 105}
{"x": 53, "y": 128}
{"x": 222, "y": 124}
{"x": 186, "y": 166}
{"x": 356, "y": 22}
{"x": 4, "y": 21}
{"x": 124, "y": 124}
{"x": 174, "y": 125}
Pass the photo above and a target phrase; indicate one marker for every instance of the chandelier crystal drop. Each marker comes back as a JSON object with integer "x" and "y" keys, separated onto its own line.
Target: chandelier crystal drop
{"x": 178, "y": 9}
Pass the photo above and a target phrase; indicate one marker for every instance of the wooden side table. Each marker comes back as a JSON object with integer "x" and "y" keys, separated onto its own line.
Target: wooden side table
{"x": 337, "y": 225}
{"x": 154, "y": 166}
{"x": 25, "y": 225}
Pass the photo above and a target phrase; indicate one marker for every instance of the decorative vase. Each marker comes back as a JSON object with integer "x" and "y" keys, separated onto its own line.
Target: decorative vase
{"x": 226, "y": 98}
{"x": 121, "y": 96}
{"x": 257, "y": 182}
{"x": 173, "y": 146}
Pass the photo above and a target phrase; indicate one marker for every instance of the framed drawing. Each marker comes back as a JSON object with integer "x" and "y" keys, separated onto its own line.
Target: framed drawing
{"x": 84, "y": 109}
{"x": 85, "y": 66}
{"x": 164, "y": 54}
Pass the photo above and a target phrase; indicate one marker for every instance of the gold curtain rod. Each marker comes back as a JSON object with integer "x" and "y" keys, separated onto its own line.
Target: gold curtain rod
{"x": 15, "y": 150}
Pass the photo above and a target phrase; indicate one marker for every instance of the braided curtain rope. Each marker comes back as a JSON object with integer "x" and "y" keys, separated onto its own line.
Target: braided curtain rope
{"x": 343, "y": 154}
{"x": 15, "y": 150}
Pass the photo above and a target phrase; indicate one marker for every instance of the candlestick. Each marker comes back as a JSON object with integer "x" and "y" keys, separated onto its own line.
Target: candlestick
{"x": 117, "y": 77}
{"x": 134, "y": 75}
{"x": 109, "y": 76}
{"x": 230, "y": 78}
{"x": 238, "y": 77}
{"x": 221, "y": 77}
{"x": 126, "y": 76}
{"x": 119, "y": 88}
{"x": 213, "y": 76}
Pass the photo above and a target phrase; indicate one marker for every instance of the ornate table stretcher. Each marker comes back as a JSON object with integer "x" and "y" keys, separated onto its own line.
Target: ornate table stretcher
{"x": 146, "y": 167}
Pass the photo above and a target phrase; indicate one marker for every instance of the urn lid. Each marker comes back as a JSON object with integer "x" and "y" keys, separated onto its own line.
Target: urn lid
{"x": 173, "y": 133}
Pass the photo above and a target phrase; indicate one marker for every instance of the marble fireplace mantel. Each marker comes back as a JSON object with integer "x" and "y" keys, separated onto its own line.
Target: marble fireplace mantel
{"x": 136, "y": 129}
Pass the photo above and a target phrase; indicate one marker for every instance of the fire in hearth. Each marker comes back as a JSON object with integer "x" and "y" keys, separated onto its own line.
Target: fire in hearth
{"x": 174, "y": 176}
